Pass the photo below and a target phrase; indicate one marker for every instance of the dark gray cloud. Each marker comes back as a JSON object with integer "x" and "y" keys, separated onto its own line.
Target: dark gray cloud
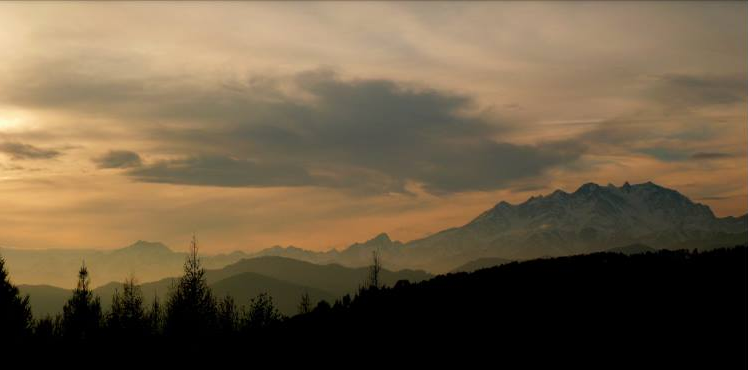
{"x": 118, "y": 159}
{"x": 689, "y": 91}
{"x": 710, "y": 155}
{"x": 707, "y": 198}
{"x": 667, "y": 136}
{"x": 370, "y": 135}
{"x": 221, "y": 171}
{"x": 18, "y": 150}
{"x": 665, "y": 154}
{"x": 373, "y": 134}
{"x": 526, "y": 188}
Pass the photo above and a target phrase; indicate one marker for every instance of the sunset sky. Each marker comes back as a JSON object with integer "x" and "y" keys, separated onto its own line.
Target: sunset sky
{"x": 323, "y": 124}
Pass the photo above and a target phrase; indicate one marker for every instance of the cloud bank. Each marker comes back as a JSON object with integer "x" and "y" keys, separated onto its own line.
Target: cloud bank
{"x": 20, "y": 151}
{"x": 118, "y": 159}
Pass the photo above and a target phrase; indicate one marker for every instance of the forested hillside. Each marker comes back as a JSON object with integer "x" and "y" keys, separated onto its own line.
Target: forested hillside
{"x": 603, "y": 305}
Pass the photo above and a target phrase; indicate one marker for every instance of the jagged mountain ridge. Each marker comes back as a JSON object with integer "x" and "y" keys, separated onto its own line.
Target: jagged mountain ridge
{"x": 355, "y": 255}
{"x": 592, "y": 218}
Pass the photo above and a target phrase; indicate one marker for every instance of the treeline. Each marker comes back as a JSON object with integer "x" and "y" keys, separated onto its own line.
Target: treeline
{"x": 667, "y": 309}
{"x": 190, "y": 311}
{"x": 678, "y": 308}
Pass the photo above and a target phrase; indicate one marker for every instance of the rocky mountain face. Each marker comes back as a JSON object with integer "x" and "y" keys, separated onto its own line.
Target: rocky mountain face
{"x": 592, "y": 218}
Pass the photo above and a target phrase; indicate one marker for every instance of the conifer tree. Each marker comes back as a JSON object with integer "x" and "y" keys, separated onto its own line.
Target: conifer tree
{"x": 191, "y": 308}
{"x": 228, "y": 316}
{"x": 127, "y": 317}
{"x": 15, "y": 311}
{"x": 81, "y": 315}
{"x": 261, "y": 313}
{"x": 305, "y": 305}
{"x": 375, "y": 270}
{"x": 156, "y": 317}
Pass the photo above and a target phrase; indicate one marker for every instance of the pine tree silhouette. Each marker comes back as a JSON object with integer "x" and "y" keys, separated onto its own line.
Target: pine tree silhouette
{"x": 15, "y": 311}
{"x": 191, "y": 308}
{"x": 305, "y": 305}
{"x": 228, "y": 316}
{"x": 374, "y": 271}
{"x": 81, "y": 315}
{"x": 48, "y": 328}
{"x": 127, "y": 317}
{"x": 261, "y": 313}
{"x": 156, "y": 317}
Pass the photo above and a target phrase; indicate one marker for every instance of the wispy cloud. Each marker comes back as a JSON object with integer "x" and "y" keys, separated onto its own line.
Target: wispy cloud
{"x": 118, "y": 159}
{"x": 434, "y": 110}
{"x": 20, "y": 151}
{"x": 312, "y": 128}
{"x": 710, "y": 155}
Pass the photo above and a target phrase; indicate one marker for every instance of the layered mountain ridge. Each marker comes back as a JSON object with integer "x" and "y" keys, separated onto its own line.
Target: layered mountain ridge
{"x": 592, "y": 218}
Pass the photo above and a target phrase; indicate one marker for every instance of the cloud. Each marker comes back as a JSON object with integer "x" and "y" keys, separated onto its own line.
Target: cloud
{"x": 528, "y": 188}
{"x": 710, "y": 155}
{"x": 307, "y": 129}
{"x": 118, "y": 159}
{"x": 713, "y": 198}
{"x": 665, "y": 154}
{"x": 687, "y": 91}
{"x": 221, "y": 171}
{"x": 18, "y": 151}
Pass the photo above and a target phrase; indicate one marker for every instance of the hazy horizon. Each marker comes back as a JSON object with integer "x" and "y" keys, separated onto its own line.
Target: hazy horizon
{"x": 323, "y": 124}
{"x": 254, "y": 249}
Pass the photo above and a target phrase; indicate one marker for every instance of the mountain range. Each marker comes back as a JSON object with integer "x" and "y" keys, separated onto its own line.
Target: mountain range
{"x": 283, "y": 278}
{"x": 592, "y": 218}
{"x": 147, "y": 261}
{"x": 627, "y": 219}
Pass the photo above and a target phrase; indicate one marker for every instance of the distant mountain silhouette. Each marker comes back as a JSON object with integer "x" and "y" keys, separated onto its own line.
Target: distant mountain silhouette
{"x": 357, "y": 254}
{"x": 591, "y": 219}
{"x": 45, "y": 299}
{"x": 333, "y": 278}
{"x": 481, "y": 263}
{"x": 143, "y": 248}
{"x": 284, "y": 278}
{"x": 286, "y": 296}
{"x": 48, "y": 300}
{"x": 147, "y": 261}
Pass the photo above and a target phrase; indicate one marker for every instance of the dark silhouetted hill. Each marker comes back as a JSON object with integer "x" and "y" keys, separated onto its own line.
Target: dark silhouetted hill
{"x": 286, "y": 296}
{"x": 286, "y": 280}
{"x": 333, "y": 278}
{"x": 148, "y": 261}
{"x": 661, "y": 309}
{"x": 632, "y": 249}
{"x": 481, "y": 263}
{"x": 668, "y": 309}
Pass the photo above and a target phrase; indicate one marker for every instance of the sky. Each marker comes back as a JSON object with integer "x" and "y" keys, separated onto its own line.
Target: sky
{"x": 322, "y": 124}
